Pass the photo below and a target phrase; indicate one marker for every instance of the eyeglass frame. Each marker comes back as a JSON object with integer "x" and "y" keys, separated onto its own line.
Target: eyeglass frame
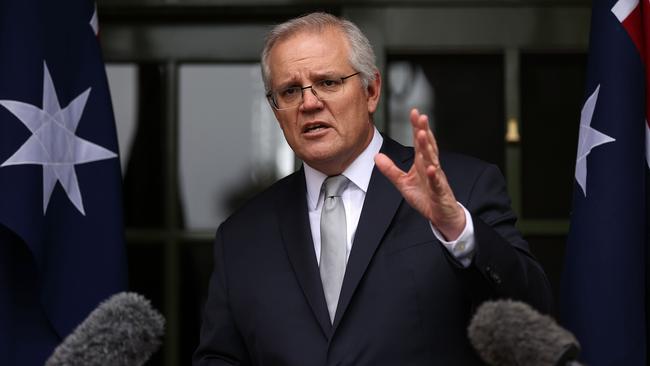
{"x": 274, "y": 103}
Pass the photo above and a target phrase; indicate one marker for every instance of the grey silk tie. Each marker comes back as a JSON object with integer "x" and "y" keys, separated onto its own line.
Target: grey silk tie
{"x": 333, "y": 241}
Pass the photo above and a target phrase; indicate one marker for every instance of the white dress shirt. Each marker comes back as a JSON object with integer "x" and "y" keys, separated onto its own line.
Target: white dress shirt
{"x": 359, "y": 173}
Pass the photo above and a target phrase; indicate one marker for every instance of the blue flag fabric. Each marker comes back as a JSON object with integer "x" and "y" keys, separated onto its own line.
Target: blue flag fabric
{"x": 603, "y": 293}
{"x": 61, "y": 231}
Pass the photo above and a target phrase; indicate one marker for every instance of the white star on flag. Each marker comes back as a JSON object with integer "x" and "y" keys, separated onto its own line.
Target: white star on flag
{"x": 53, "y": 143}
{"x": 588, "y": 139}
{"x": 94, "y": 23}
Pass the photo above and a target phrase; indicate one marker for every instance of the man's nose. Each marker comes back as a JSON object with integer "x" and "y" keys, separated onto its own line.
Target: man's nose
{"x": 310, "y": 100}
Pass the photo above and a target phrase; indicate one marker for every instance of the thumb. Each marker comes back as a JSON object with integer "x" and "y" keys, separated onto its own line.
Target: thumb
{"x": 388, "y": 168}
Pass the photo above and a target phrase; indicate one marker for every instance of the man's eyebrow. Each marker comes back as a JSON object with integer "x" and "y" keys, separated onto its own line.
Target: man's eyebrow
{"x": 288, "y": 83}
{"x": 323, "y": 74}
{"x": 313, "y": 76}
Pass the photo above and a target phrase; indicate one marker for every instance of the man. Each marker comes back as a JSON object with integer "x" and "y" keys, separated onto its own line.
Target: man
{"x": 372, "y": 253}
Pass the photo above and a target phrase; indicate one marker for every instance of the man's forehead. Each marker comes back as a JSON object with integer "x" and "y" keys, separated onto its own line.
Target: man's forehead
{"x": 300, "y": 56}
{"x": 330, "y": 36}
{"x": 315, "y": 31}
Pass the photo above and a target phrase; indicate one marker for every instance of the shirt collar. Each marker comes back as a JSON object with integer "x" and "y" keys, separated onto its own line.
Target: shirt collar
{"x": 358, "y": 172}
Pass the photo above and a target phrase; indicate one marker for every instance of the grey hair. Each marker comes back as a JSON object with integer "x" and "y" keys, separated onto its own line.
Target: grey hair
{"x": 361, "y": 56}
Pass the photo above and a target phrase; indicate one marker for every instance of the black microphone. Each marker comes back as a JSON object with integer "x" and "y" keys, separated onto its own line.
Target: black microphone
{"x": 122, "y": 331}
{"x": 507, "y": 332}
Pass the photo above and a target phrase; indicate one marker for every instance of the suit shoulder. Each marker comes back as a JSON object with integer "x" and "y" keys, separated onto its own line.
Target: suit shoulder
{"x": 451, "y": 162}
{"x": 455, "y": 164}
{"x": 469, "y": 162}
{"x": 265, "y": 202}
{"x": 468, "y": 175}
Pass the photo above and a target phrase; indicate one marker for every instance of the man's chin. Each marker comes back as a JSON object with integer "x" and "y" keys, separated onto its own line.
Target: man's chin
{"x": 319, "y": 158}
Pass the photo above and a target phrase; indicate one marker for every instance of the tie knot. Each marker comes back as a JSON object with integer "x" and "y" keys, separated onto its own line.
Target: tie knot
{"x": 334, "y": 185}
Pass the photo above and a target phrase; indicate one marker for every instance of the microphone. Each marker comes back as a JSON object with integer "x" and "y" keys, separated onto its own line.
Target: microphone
{"x": 122, "y": 331}
{"x": 507, "y": 332}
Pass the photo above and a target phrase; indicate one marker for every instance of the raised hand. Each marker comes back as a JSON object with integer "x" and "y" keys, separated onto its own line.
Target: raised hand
{"x": 425, "y": 185}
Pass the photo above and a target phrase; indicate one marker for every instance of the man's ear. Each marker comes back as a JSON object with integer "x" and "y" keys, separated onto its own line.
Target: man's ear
{"x": 275, "y": 112}
{"x": 373, "y": 91}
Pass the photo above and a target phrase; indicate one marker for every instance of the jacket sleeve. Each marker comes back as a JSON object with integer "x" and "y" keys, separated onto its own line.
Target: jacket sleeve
{"x": 502, "y": 266}
{"x": 220, "y": 342}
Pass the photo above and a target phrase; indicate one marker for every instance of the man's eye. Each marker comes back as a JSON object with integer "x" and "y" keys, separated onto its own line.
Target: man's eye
{"x": 329, "y": 83}
{"x": 289, "y": 92}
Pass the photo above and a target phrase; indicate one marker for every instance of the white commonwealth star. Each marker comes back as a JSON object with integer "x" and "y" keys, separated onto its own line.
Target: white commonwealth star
{"x": 53, "y": 143}
{"x": 588, "y": 139}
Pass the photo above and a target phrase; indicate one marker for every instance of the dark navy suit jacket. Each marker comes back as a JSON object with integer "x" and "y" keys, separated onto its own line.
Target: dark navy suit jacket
{"x": 404, "y": 301}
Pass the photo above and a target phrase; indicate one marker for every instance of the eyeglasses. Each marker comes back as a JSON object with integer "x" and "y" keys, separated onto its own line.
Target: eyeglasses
{"x": 292, "y": 96}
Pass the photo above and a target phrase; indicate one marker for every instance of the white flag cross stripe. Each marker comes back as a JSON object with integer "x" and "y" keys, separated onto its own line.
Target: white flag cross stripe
{"x": 623, "y": 8}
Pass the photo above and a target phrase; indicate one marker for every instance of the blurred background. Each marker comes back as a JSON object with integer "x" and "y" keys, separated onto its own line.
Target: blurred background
{"x": 502, "y": 80}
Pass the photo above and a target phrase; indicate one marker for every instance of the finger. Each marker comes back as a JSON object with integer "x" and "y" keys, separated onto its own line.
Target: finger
{"x": 424, "y": 158}
{"x": 428, "y": 165}
{"x": 420, "y": 122}
{"x": 427, "y": 145}
{"x": 438, "y": 182}
{"x": 388, "y": 168}
{"x": 413, "y": 117}
{"x": 420, "y": 125}
{"x": 432, "y": 139}
{"x": 421, "y": 165}
{"x": 423, "y": 124}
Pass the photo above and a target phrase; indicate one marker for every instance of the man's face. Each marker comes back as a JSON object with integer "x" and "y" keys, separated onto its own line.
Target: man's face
{"x": 328, "y": 135}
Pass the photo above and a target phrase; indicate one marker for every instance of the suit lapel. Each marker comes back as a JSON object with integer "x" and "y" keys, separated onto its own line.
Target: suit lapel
{"x": 380, "y": 205}
{"x": 296, "y": 234}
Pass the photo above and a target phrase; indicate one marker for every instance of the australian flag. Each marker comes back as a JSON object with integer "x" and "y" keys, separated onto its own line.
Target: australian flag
{"x": 604, "y": 285}
{"x": 61, "y": 232}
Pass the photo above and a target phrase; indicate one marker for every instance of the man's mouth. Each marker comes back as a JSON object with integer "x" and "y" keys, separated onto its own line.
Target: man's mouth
{"x": 314, "y": 127}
